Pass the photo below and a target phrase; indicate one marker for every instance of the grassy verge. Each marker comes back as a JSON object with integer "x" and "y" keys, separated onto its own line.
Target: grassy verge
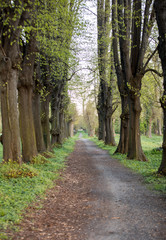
{"x": 20, "y": 187}
{"x": 147, "y": 169}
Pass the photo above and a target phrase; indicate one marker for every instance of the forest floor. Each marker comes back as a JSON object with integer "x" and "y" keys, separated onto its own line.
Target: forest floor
{"x": 96, "y": 199}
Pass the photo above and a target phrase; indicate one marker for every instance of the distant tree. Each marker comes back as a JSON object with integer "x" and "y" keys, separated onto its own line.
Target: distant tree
{"x": 90, "y": 118}
{"x": 71, "y": 118}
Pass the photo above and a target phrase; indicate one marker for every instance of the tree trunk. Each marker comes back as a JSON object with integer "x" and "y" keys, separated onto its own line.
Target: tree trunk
{"x": 62, "y": 127}
{"x": 101, "y": 133}
{"x": 149, "y": 134}
{"x": 45, "y": 122}
{"x": 124, "y": 128}
{"x": 25, "y": 92}
{"x": 109, "y": 138}
{"x": 71, "y": 129}
{"x": 9, "y": 109}
{"x": 160, "y": 8}
{"x": 135, "y": 149}
{"x": 103, "y": 15}
{"x": 37, "y": 123}
{"x": 55, "y": 123}
{"x": 29, "y": 149}
{"x": 159, "y": 127}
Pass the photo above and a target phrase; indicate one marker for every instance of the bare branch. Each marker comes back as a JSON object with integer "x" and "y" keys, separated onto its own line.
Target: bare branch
{"x": 154, "y": 71}
{"x": 150, "y": 57}
{"x": 90, "y": 11}
{"x": 74, "y": 72}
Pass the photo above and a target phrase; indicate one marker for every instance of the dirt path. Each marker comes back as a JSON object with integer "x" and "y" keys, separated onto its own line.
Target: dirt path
{"x": 98, "y": 199}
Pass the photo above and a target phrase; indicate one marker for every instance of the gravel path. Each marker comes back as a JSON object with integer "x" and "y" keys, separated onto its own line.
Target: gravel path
{"x": 99, "y": 199}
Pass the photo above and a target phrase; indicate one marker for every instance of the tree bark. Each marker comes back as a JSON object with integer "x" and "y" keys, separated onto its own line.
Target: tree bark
{"x": 135, "y": 149}
{"x": 121, "y": 80}
{"x": 101, "y": 131}
{"x": 25, "y": 93}
{"x": 45, "y": 122}
{"x": 105, "y": 94}
{"x": 9, "y": 110}
{"x": 149, "y": 133}
{"x": 29, "y": 149}
{"x": 159, "y": 131}
{"x": 37, "y": 122}
{"x": 10, "y": 59}
{"x": 124, "y": 128}
{"x": 160, "y": 9}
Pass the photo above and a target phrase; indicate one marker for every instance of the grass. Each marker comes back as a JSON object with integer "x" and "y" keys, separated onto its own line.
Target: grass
{"x": 147, "y": 169}
{"x": 18, "y": 189}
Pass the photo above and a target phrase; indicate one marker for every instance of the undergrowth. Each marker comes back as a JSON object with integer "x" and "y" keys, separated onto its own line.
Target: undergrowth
{"x": 21, "y": 185}
{"x": 151, "y": 148}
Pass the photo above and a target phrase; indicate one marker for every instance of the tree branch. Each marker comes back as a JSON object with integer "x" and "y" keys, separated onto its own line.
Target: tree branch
{"x": 90, "y": 11}
{"x": 154, "y": 71}
{"x": 74, "y": 72}
{"x": 150, "y": 57}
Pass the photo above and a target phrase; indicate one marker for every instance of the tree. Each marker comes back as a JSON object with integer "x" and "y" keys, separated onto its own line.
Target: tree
{"x": 104, "y": 107}
{"x": 160, "y": 9}
{"x": 90, "y": 118}
{"x": 133, "y": 41}
{"x": 25, "y": 91}
{"x": 13, "y": 15}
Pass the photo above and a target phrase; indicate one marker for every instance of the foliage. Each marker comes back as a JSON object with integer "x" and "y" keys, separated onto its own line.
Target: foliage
{"x": 14, "y": 170}
{"x": 17, "y": 193}
{"x": 148, "y": 170}
{"x": 151, "y": 93}
{"x": 90, "y": 118}
{"x": 39, "y": 159}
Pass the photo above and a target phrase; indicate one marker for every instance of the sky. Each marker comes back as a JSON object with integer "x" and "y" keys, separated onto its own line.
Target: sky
{"x": 87, "y": 46}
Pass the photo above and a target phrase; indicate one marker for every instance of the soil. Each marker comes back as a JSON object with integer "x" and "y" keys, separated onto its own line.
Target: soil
{"x": 96, "y": 199}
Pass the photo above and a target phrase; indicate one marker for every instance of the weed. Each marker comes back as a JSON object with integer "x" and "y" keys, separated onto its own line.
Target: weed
{"x": 14, "y": 170}
{"x": 39, "y": 159}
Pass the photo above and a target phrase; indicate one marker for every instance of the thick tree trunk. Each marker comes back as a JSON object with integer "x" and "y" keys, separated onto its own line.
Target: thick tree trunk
{"x": 160, "y": 8}
{"x": 9, "y": 109}
{"x": 29, "y": 149}
{"x": 45, "y": 122}
{"x": 109, "y": 138}
{"x": 71, "y": 129}
{"x": 25, "y": 92}
{"x": 37, "y": 123}
{"x": 101, "y": 132}
{"x": 124, "y": 128}
{"x": 135, "y": 149}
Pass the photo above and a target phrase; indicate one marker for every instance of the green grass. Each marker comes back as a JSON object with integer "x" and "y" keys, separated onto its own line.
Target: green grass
{"x": 16, "y": 193}
{"x": 147, "y": 169}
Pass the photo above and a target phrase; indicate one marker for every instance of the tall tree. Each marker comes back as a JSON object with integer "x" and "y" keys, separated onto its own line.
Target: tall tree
{"x": 122, "y": 86}
{"x": 25, "y": 91}
{"x": 160, "y": 9}
{"x": 133, "y": 41}
{"x": 12, "y": 18}
{"x": 104, "y": 107}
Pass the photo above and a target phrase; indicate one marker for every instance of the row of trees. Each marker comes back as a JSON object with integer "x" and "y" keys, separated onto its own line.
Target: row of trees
{"x": 35, "y": 61}
{"x": 124, "y": 48}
